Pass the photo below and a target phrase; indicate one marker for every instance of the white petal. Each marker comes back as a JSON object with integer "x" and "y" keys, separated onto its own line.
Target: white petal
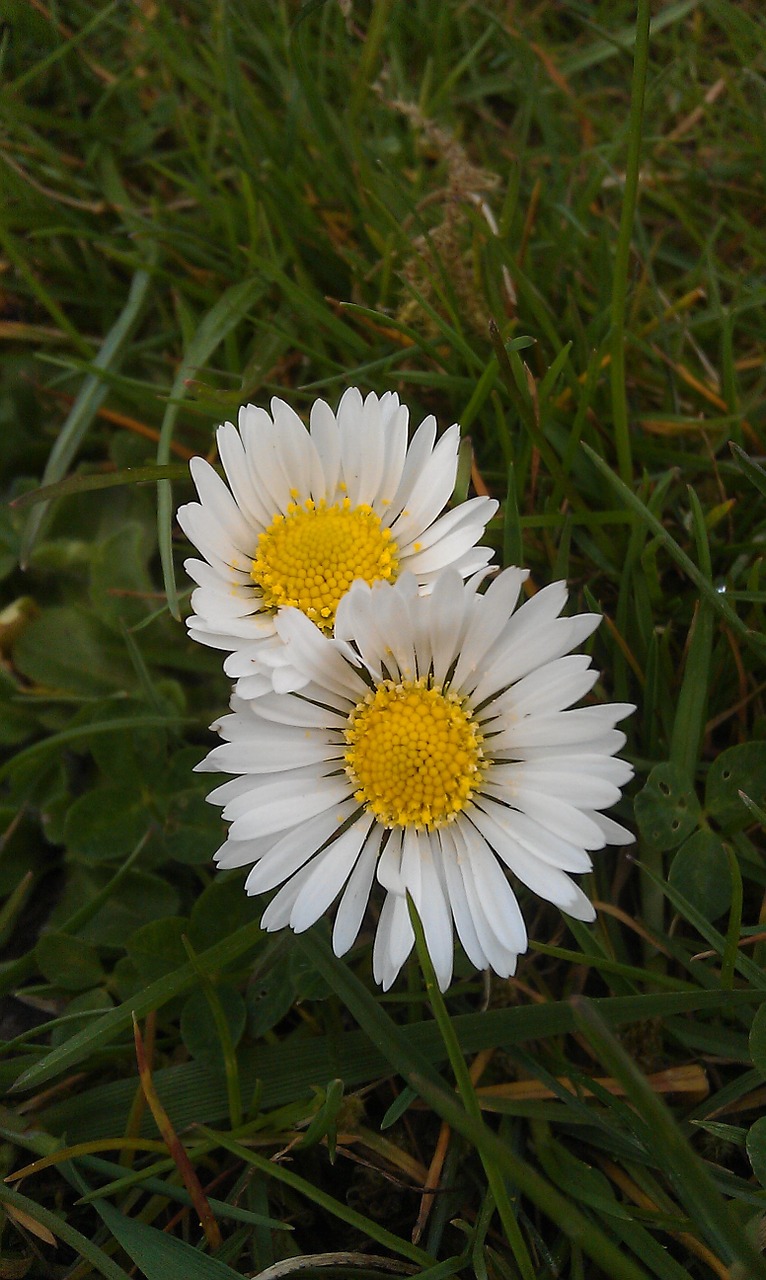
{"x": 464, "y": 922}
{"x": 509, "y": 662}
{"x": 240, "y": 853}
{"x": 352, "y": 905}
{"x": 329, "y": 874}
{"x": 431, "y": 490}
{"x": 293, "y": 850}
{"x": 546, "y": 881}
{"x": 295, "y": 449}
{"x": 281, "y": 805}
{"x": 449, "y": 544}
{"x": 220, "y": 578}
{"x": 217, "y": 499}
{"x": 488, "y": 618}
{"x": 232, "y": 453}
{"x": 394, "y": 940}
{"x": 434, "y": 914}
{"x": 395, "y": 440}
{"x": 315, "y": 656}
{"x": 479, "y": 865}
{"x": 419, "y": 452}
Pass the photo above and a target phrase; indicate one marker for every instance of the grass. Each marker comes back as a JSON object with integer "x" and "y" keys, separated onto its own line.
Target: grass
{"x": 208, "y": 204}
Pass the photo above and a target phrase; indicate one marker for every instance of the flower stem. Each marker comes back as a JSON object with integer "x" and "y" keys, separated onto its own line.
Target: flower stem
{"x": 467, "y": 1093}
{"x": 622, "y": 254}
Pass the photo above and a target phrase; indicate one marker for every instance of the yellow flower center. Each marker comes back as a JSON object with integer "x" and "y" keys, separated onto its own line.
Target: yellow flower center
{"x": 414, "y": 754}
{"x": 309, "y": 557}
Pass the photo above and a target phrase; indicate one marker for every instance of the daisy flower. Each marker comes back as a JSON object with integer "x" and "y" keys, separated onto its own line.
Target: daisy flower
{"x": 308, "y": 512}
{"x": 433, "y": 748}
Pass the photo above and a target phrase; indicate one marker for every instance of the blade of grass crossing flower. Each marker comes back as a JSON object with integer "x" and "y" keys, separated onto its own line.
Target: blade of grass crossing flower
{"x": 470, "y": 1101}
{"x": 717, "y": 601}
{"x": 624, "y": 238}
{"x": 691, "y": 1179}
{"x": 228, "y": 311}
{"x": 99, "y": 1260}
{"x": 91, "y": 396}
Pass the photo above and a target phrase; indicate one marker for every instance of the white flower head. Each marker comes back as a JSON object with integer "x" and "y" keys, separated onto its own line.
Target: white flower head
{"x": 434, "y": 748}
{"x": 307, "y": 512}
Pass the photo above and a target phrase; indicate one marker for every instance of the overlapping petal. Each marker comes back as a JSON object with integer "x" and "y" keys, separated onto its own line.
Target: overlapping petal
{"x": 274, "y": 468}
{"x": 530, "y": 818}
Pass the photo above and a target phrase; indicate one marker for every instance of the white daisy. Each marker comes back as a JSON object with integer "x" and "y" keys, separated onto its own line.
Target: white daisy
{"x": 307, "y": 513}
{"x": 433, "y": 747}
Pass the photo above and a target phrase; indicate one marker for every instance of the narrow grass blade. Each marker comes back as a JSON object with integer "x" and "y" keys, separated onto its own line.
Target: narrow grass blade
{"x": 160, "y": 1255}
{"x": 78, "y": 484}
{"x": 624, "y": 239}
{"x": 717, "y": 601}
{"x": 222, "y": 318}
{"x": 153, "y": 997}
{"x": 339, "y": 1210}
{"x": 575, "y": 1225}
{"x": 91, "y": 396}
{"x": 470, "y": 1100}
{"x": 690, "y": 1177}
{"x": 101, "y": 1261}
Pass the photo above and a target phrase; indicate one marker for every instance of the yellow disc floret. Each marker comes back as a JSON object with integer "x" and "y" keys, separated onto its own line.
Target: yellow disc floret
{"x": 309, "y": 557}
{"x": 413, "y": 754}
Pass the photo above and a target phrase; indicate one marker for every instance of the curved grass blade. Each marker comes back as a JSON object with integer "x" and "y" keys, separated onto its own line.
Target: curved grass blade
{"x": 690, "y": 1177}
{"x": 62, "y": 1231}
{"x": 100, "y": 480}
{"x": 92, "y": 394}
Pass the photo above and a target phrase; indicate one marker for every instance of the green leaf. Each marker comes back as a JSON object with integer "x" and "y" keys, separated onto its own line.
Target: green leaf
{"x": 81, "y": 1245}
{"x": 741, "y": 768}
{"x": 152, "y": 997}
{"x": 198, "y": 1029}
{"x": 193, "y": 830}
{"x": 755, "y": 1144}
{"x": 667, "y": 808}
{"x": 120, "y": 586}
{"x": 159, "y": 1255}
{"x": 700, "y": 871}
{"x": 139, "y": 898}
{"x": 221, "y": 910}
{"x": 89, "y": 1003}
{"x": 156, "y": 948}
{"x": 106, "y": 823}
{"x": 67, "y": 649}
{"x": 68, "y": 962}
{"x": 757, "y": 1040}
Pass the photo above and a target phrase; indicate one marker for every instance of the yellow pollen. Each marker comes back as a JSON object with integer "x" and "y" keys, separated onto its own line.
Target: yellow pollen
{"x": 309, "y": 557}
{"x": 413, "y": 754}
